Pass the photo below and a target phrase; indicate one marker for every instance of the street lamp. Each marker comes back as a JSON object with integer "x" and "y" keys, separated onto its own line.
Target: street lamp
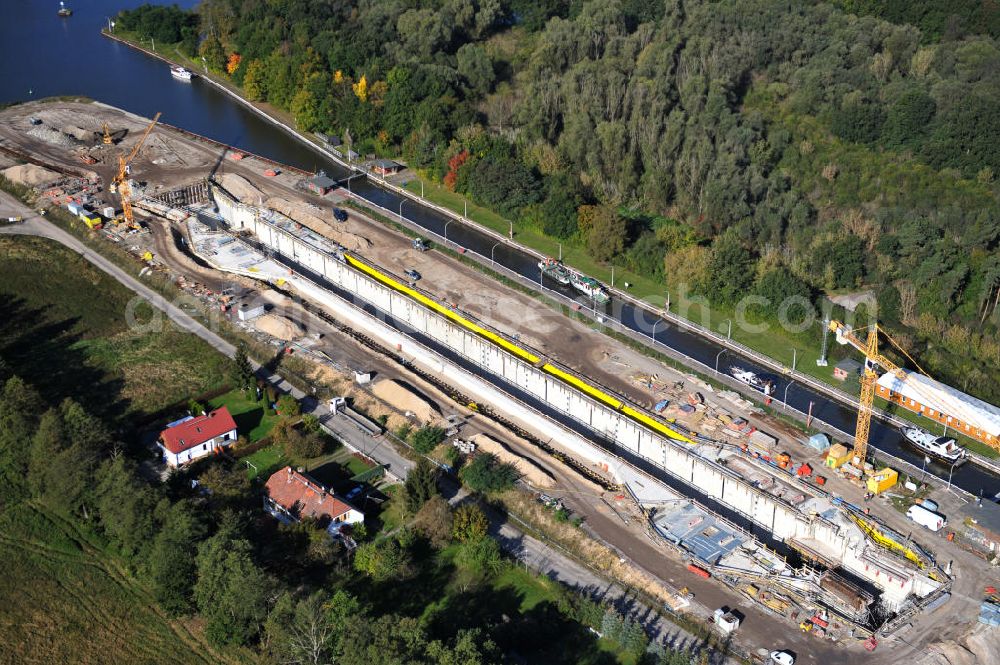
{"x": 446, "y": 229}
{"x": 401, "y": 202}
{"x": 951, "y": 470}
{"x": 717, "y": 360}
{"x": 350, "y": 178}
{"x": 795, "y": 357}
{"x": 784, "y": 402}
{"x": 492, "y": 249}
{"x": 653, "y": 335}
{"x": 729, "y": 334}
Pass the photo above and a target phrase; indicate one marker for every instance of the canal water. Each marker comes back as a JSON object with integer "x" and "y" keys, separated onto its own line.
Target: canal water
{"x": 44, "y": 55}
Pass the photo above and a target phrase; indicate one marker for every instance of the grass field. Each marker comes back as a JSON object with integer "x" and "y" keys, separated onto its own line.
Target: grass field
{"x": 252, "y": 420}
{"x": 264, "y": 462}
{"x": 65, "y": 604}
{"x": 64, "y": 327}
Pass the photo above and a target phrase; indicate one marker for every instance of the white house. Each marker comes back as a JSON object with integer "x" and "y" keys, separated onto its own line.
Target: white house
{"x": 291, "y": 495}
{"x": 195, "y": 437}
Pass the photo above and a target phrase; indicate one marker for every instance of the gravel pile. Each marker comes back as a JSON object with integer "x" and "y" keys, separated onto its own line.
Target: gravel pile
{"x": 53, "y": 136}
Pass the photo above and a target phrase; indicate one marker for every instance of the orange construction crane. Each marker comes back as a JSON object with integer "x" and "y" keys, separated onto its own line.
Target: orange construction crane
{"x": 873, "y": 359}
{"x": 120, "y": 181}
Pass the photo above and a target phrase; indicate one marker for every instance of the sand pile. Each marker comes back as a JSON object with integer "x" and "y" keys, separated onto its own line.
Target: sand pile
{"x": 279, "y": 326}
{"x": 313, "y": 218}
{"x": 53, "y": 136}
{"x": 406, "y": 400}
{"x": 29, "y": 175}
{"x": 241, "y": 188}
{"x": 534, "y": 474}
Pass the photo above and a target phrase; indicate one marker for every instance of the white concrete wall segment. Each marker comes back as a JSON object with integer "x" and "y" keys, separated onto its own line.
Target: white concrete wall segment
{"x": 677, "y": 459}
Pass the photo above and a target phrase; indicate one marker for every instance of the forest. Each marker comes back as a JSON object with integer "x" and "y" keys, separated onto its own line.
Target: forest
{"x": 436, "y": 590}
{"x": 734, "y": 147}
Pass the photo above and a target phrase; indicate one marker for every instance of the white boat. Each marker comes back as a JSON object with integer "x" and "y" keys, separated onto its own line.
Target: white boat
{"x": 941, "y": 448}
{"x": 766, "y": 386}
{"x": 181, "y": 73}
{"x": 589, "y": 287}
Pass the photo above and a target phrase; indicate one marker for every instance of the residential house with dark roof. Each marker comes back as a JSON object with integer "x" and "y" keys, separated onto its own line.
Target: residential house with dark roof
{"x": 196, "y": 436}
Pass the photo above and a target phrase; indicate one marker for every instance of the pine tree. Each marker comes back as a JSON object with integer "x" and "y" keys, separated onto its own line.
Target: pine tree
{"x": 242, "y": 372}
{"x": 421, "y": 485}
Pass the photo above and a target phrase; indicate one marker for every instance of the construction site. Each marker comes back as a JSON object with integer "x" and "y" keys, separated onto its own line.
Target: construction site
{"x": 696, "y": 493}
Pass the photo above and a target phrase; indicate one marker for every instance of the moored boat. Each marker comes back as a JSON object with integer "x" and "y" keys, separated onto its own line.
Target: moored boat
{"x": 942, "y": 448}
{"x": 766, "y": 386}
{"x": 555, "y": 269}
{"x": 181, "y": 73}
{"x": 64, "y": 11}
{"x": 589, "y": 287}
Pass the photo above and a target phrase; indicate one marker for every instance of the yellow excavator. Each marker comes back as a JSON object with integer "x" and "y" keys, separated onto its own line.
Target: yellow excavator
{"x": 120, "y": 182}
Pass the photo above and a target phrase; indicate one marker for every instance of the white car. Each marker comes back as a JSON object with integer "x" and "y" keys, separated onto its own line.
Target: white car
{"x": 782, "y": 658}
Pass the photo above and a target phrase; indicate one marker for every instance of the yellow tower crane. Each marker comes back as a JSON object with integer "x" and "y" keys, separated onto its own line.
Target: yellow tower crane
{"x": 120, "y": 181}
{"x": 873, "y": 359}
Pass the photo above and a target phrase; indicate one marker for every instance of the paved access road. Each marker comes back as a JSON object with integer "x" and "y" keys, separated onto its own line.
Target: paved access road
{"x": 532, "y": 552}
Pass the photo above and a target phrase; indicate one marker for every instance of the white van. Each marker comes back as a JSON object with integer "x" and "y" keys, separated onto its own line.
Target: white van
{"x": 926, "y": 518}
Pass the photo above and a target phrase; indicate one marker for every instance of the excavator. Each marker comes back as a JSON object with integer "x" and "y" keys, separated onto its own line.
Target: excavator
{"x": 120, "y": 183}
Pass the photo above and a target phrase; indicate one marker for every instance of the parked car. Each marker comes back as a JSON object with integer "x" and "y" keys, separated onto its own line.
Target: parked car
{"x": 354, "y": 492}
{"x": 782, "y": 658}
{"x": 412, "y": 274}
{"x": 340, "y": 214}
{"x": 420, "y": 245}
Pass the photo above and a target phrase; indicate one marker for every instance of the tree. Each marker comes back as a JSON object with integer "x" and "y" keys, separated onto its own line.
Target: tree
{"x": 482, "y": 554}
{"x": 125, "y": 506}
{"x": 469, "y": 523}
{"x": 19, "y": 406}
{"x": 427, "y": 438}
{"x": 730, "y": 270}
{"x": 253, "y": 81}
{"x": 908, "y": 119}
{"x": 687, "y": 267}
{"x": 434, "y": 521}
{"x": 781, "y": 287}
{"x": 420, "y": 485}
{"x": 381, "y": 560}
{"x": 475, "y": 66}
{"x": 288, "y": 406}
{"x": 485, "y": 473}
{"x": 171, "y": 561}
{"x": 242, "y": 374}
{"x": 211, "y": 49}
{"x": 844, "y": 258}
{"x": 604, "y": 231}
{"x": 302, "y": 445}
{"x": 231, "y": 591}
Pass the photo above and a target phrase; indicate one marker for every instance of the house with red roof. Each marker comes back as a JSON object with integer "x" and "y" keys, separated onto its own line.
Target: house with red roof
{"x": 196, "y": 436}
{"x": 291, "y": 495}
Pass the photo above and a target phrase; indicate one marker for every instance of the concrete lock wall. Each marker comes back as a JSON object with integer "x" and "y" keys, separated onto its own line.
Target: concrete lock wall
{"x": 713, "y": 480}
{"x": 776, "y": 516}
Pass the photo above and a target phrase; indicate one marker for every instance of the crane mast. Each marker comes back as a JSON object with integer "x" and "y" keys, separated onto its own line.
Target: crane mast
{"x": 121, "y": 177}
{"x": 869, "y": 377}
